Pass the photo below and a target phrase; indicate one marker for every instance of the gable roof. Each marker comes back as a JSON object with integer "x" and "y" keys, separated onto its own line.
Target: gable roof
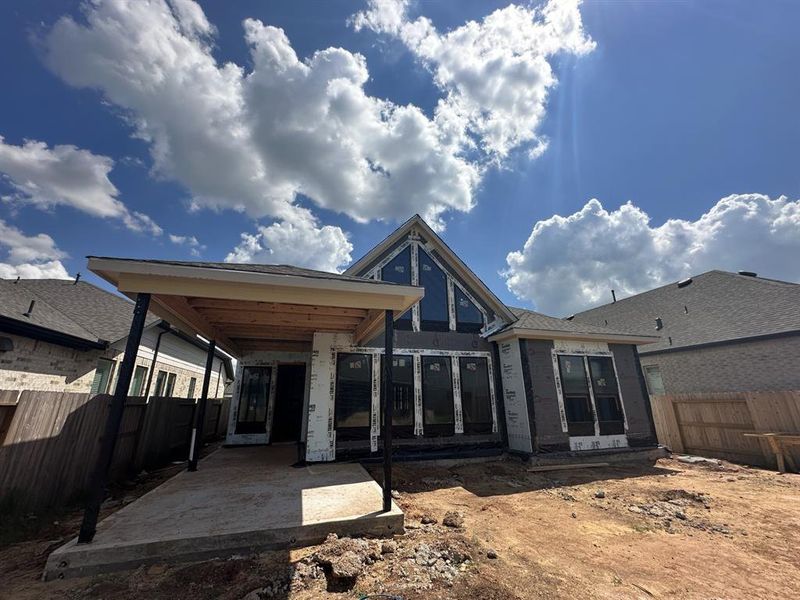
{"x": 532, "y": 324}
{"x": 103, "y": 316}
{"x": 462, "y": 270}
{"x": 713, "y": 307}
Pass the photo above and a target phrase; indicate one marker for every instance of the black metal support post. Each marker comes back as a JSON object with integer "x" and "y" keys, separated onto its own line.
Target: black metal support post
{"x": 97, "y": 486}
{"x": 197, "y": 432}
{"x": 388, "y": 409}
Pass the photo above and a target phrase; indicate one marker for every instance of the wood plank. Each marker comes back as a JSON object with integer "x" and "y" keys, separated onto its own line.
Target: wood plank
{"x": 274, "y": 307}
{"x": 221, "y": 319}
{"x": 179, "y": 306}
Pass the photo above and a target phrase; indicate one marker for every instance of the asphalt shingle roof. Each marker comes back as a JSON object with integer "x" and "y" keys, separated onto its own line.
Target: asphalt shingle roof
{"x": 529, "y": 319}
{"x": 80, "y": 309}
{"x": 716, "y": 306}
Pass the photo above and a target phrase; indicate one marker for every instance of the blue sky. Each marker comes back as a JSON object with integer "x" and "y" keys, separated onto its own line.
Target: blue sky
{"x": 673, "y": 106}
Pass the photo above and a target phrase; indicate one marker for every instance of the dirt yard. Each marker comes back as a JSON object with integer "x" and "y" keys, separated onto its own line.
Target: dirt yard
{"x": 670, "y": 530}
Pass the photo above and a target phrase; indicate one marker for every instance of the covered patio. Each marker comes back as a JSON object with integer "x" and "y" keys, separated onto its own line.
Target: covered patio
{"x": 240, "y": 501}
{"x": 246, "y": 309}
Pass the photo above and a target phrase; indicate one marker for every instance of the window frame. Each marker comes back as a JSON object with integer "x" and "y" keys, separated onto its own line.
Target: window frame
{"x": 192, "y": 386}
{"x": 253, "y": 426}
{"x": 400, "y": 430}
{"x": 438, "y": 429}
{"x": 361, "y": 432}
{"x": 562, "y": 394}
{"x": 476, "y": 427}
{"x": 646, "y": 370}
{"x": 133, "y": 392}
{"x": 107, "y": 385}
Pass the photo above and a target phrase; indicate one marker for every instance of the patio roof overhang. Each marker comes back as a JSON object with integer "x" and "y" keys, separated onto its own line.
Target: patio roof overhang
{"x": 246, "y": 310}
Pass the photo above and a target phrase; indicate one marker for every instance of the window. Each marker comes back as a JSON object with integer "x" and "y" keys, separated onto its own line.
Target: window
{"x": 102, "y": 376}
{"x": 652, "y": 375}
{"x": 606, "y": 395}
{"x": 437, "y": 396}
{"x": 161, "y": 382}
{"x": 170, "y": 385}
{"x": 398, "y": 270}
{"x": 469, "y": 318}
{"x": 476, "y": 402}
{"x": 403, "y": 396}
{"x": 580, "y": 420}
{"x": 192, "y": 384}
{"x": 353, "y": 396}
{"x": 253, "y": 400}
{"x": 434, "y": 314}
{"x": 137, "y": 383}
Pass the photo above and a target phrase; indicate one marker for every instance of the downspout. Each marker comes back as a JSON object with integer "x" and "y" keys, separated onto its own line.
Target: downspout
{"x": 153, "y": 365}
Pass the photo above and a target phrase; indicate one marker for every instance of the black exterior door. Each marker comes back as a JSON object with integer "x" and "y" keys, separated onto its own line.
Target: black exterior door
{"x": 287, "y": 421}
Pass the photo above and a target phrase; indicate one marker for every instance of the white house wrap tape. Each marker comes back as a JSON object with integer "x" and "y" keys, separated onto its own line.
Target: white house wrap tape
{"x": 457, "y": 412}
{"x": 376, "y": 403}
{"x": 492, "y": 396}
{"x": 516, "y": 406}
{"x": 418, "y": 427}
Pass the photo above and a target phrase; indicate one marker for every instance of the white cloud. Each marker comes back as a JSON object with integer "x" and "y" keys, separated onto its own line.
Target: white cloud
{"x": 190, "y": 241}
{"x": 571, "y": 263}
{"x": 253, "y": 139}
{"x": 35, "y": 257}
{"x": 495, "y": 74}
{"x": 303, "y": 244}
{"x": 67, "y": 175}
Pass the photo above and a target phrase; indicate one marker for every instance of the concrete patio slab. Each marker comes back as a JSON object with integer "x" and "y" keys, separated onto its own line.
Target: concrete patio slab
{"x": 240, "y": 500}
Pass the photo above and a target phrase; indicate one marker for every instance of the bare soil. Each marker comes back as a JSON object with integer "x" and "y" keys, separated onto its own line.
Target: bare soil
{"x": 669, "y": 530}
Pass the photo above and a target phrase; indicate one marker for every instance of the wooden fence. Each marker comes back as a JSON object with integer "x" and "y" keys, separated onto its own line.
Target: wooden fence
{"x": 52, "y": 440}
{"x": 714, "y": 424}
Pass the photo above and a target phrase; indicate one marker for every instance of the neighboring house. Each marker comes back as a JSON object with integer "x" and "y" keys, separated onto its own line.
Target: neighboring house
{"x": 720, "y": 332}
{"x": 69, "y": 336}
{"x": 469, "y": 373}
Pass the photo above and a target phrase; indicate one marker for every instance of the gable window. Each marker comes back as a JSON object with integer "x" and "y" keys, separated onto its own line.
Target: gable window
{"x": 476, "y": 402}
{"x": 434, "y": 314}
{"x": 577, "y": 405}
{"x": 403, "y": 396}
{"x": 137, "y": 384}
{"x": 192, "y": 385}
{"x": 253, "y": 400}
{"x": 437, "y": 396}
{"x": 353, "y": 396}
{"x": 398, "y": 270}
{"x": 469, "y": 318}
{"x": 606, "y": 395}
{"x": 102, "y": 376}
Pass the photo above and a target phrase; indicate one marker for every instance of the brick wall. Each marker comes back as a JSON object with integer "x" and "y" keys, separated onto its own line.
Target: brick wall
{"x": 37, "y": 365}
{"x": 749, "y": 366}
{"x": 42, "y": 366}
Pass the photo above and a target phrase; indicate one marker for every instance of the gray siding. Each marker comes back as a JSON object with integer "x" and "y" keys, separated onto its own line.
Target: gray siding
{"x": 547, "y": 419}
{"x": 772, "y": 364}
{"x": 640, "y": 426}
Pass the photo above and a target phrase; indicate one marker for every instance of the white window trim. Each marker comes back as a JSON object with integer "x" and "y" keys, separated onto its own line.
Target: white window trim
{"x": 415, "y": 243}
{"x": 597, "y": 441}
